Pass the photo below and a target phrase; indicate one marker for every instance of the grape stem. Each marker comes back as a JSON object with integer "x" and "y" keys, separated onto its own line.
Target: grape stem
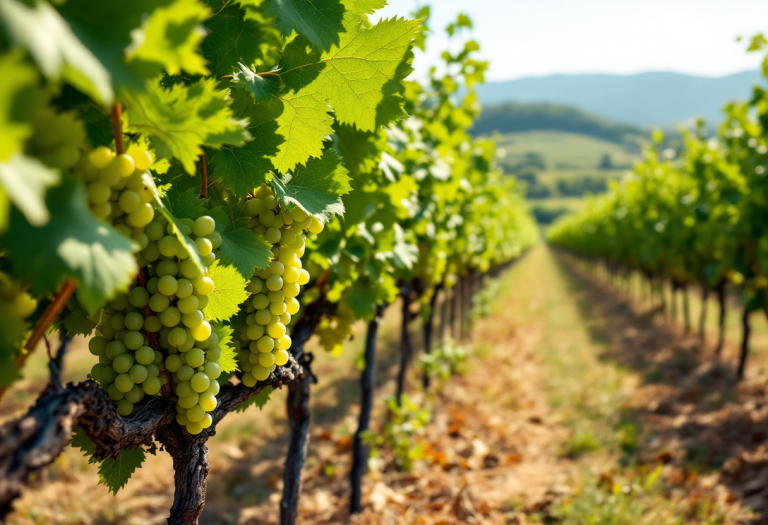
{"x": 117, "y": 127}
{"x": 204, "y": 170}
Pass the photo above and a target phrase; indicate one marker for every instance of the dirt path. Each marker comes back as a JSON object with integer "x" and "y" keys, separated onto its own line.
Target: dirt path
{"x": 573, "y": 400}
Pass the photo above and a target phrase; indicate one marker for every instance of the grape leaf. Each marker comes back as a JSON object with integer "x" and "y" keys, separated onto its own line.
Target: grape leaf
{"x": 187, "y": 205}
{"x": 362, "y": 77}
{"x": 172, "y": 36}
{"x": 20, "y": 98}
{"x": 243, "y": 169}
{"x": 261, "y": 87}
{"x": 81, "y": 440}
{"x": 116, "y": 473}
{"x": 37, "y": 27}
{"x": 260, "y": 399}
{"x": 113, "y": 474}
{"x": 233, "y": 37}
{"x": 364, "y": 295}
{"x": 119, "y": 44}
{"x": 240, "y": 246}
{"x": 366, "y": 7}
{"x": 182, "y": 119}
{"x": 316, "y": 188}
{"x": 73, "y": 244}
{"x": 25, "y": 181}
{"x": 228, "y": 294}
{"x": 76, "y": 320}
{"x": 319, "y": 21}
{"x": 304, "y": 123}
{"x": 361, "y": 150}
{"x": 228, "y": 359}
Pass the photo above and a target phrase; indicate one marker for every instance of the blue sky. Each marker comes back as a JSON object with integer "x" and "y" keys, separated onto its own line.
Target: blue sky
{"x": 539, "y": 37}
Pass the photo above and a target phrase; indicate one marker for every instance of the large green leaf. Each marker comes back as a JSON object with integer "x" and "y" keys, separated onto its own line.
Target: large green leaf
{"x": 260, "y": 400}
{"x": 37, "y": 27}
{"x": 19, "y": 99}
{"x": 228, "y": 359}
{"x": 73, "y": 244}
{"x": 184, "y": 118}
{"x": 240, "y": 246}
{"x": 362, "y": 77}
{"x": 142, "y": 38}
{"x": 316, "y": 188}
{"x": 261, "y": 87}
{"x": 229, "y": 293}
{"x": 234, "y": 36}
{"x": 243, "y": 169}
{"x": 172, "y": 36}
{"x": 25, "y": 181}
{"x": 319, "y": 21}
{"x": 116, "y": 473}
{"x": 304, "y": 123}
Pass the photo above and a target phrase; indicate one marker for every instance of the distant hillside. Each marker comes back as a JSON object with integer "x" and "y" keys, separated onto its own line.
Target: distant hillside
{"x": 515, "y": 117}
{"x": 646, "y": 99}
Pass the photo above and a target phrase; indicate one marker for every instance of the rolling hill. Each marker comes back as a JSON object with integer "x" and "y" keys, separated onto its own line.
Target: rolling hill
{"x": 516, "y": 117}
{"x": 645, "y": 99}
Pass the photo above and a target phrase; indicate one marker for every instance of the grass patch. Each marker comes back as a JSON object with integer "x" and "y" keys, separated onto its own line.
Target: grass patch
{"x": 581, "y": 442}
{"x": 632, "y": 498}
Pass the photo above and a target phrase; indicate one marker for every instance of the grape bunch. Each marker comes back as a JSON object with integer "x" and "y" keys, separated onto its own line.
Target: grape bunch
{"x": 334, "y": 330}
{"x": 14, "y": 299}
{"x": 167, "y": 313}
{"x": 116, "y": 188}
{"x": 263, "y": 340}
{"x": 157, "y": 331}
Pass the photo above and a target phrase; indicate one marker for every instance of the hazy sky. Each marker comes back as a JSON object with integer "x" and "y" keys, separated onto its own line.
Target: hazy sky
{"x": 540, "y": 37}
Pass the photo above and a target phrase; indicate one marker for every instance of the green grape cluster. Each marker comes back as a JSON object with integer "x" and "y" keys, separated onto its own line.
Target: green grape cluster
{"x": 177, "y": 293}
{"x": 336, "y": 329}
{"x": 157, "y": 331}
{"x": 117, "y": 190}
{"x": 264, "y": 340}
{"x": 15, "y": 298}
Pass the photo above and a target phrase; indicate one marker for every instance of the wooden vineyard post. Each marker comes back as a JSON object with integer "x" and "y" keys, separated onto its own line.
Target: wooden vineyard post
{"x": 367, "y": 387}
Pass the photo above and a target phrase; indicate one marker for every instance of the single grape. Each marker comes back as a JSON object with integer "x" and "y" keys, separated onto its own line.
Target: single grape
{"x": 173, "y": 363}
{"x": 97, "y": 345}
{"x": 202, "y": 331}
{"x": 159, "y": 303}
{"x": 151, "y": 386}
{"x": 138, "y": 373}
{"x": 281, "y": 357}
{"x": 168, "y": 285}
{"x": 170, "y": 317}
{"x": 145, "y": 355}
{"x": 189, "y": 401}
{"x": 204, "y": 225}
{"x": 200, "y": 382}
{"x": 100, "y": 157}
{"x": 124, "y": 383}
{"x": 124, "y": 407}
{"x": 133, "y": 340}
{"x": 195, "y": 414}
{"x": 195, "y": 357}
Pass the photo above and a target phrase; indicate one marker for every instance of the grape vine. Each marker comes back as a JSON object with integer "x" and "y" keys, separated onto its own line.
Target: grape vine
{"x": 167, "y": 194}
